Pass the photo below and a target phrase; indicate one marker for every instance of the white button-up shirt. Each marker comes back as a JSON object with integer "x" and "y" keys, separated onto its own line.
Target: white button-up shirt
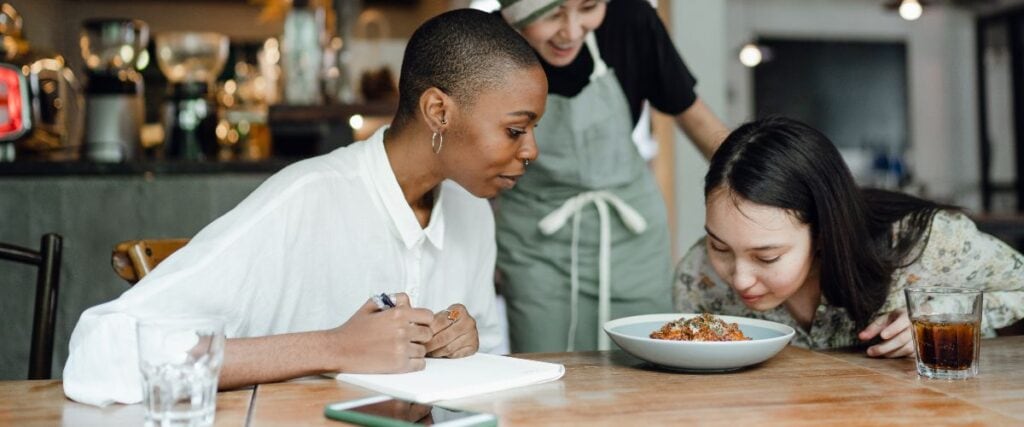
{"x": 301, "y": 253}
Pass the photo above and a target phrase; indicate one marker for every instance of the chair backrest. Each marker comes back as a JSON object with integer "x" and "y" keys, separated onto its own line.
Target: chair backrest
{"x": 134, "y": 259}
{"x": 47, "y": 262}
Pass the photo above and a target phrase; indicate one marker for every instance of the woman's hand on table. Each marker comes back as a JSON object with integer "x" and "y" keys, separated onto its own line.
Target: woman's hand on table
{"x": 381, "y": 341}
{"x": 894, "y": 329}
{"x": 455, "y": 333}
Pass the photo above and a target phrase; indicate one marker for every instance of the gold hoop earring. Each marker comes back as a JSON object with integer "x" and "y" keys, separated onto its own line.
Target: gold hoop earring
{"x": 436, "y": 142}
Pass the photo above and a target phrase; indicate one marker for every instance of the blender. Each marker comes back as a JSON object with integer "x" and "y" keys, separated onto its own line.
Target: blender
{"x": 114, "y": 104}
{"x": 191, "y": 62}
{"x": 41, "y": 107}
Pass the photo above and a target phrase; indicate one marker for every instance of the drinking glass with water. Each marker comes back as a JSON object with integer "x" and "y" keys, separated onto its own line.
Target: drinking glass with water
{"x": 180, "y": 359}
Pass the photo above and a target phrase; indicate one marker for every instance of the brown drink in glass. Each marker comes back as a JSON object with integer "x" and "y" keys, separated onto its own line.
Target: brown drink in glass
{"x": 947, "y": 342}
{"x": 947, "y": 330}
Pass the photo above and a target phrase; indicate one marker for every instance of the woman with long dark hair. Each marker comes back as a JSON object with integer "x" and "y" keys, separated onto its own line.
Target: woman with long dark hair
{"x": 790, "y": 238}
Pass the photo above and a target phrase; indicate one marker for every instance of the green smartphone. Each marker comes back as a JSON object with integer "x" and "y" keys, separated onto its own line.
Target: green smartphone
{"x": 386, "y": 411}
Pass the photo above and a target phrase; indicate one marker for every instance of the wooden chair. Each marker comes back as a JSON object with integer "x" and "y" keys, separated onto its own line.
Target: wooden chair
{"x": 134, "y": 259}
{"x": 47, "y": 262}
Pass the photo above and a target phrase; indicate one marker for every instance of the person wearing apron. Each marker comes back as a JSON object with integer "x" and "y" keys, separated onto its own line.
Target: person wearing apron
{"x": 583, "y": 237}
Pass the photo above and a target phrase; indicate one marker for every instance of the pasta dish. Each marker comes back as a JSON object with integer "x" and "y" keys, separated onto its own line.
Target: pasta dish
{"x": 705, "y": 327}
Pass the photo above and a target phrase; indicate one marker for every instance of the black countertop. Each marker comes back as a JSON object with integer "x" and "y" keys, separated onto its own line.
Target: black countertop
{"x": 305, "y": 131}
{"x": 163, "y": 167}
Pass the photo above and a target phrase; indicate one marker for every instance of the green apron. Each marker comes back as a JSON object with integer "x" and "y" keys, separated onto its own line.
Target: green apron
{"x": 583, "y": 237}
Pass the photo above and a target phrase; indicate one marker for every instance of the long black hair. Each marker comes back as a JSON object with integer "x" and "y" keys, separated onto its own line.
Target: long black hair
{"x": 787, "y": 164}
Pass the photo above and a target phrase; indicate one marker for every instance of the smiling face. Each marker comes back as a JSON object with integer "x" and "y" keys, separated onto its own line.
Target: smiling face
{"x": 765, "y": 253}
{"x": 487, "y": 142}
{"x": 559, "y": 35}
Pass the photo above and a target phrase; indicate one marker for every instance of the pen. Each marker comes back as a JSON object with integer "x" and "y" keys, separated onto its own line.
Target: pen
{"x": 384, "y": 301}
{"x": 387, "y": 300}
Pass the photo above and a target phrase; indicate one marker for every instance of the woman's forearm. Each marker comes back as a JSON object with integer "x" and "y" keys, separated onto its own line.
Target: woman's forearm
{"x": 701, "y": 125}
{"x": 249, "y": 361}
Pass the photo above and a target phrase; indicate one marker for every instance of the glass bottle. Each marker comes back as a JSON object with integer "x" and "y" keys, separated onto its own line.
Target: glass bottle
{"x": 302, "y": 50}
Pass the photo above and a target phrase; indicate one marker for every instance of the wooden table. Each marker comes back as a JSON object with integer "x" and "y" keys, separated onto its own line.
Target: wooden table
{"x": 42, "y": 403}
{"x": 797, "y": 387}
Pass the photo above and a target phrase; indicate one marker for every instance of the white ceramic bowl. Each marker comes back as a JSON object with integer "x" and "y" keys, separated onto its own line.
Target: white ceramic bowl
{"x": 632, "y": 334}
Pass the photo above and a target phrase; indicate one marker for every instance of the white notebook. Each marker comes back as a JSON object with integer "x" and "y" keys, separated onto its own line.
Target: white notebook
{"x": 446, "y": 379}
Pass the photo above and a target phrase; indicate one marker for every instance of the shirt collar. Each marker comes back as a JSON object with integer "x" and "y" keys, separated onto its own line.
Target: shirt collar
{"x": 401, "y": 214}
{"x": 435, "y": 228}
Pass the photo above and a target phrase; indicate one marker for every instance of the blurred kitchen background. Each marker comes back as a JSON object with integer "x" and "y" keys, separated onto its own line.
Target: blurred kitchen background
{"x": 127, "y": 119}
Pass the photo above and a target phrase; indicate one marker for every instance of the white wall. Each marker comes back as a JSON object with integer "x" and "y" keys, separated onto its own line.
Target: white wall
{"x": 942, "y": 78}
{"x": 942, "y": 82}
{"x": 999, "y": 92}
{"x": 699, "y": 30}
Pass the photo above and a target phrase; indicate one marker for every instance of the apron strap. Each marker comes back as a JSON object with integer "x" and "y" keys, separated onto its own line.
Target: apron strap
{"x": 573, "y": 207}
{"x": 600, "y": 68}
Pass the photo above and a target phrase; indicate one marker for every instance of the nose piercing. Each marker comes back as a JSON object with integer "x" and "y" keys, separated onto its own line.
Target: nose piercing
{"x": 526, "y": 162}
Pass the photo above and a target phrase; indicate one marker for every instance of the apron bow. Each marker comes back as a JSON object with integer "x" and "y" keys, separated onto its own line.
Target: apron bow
{"x": 573, "y": 208}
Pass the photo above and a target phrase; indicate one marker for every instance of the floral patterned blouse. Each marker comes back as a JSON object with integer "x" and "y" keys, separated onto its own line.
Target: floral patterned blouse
{"x": 956, "y": 254}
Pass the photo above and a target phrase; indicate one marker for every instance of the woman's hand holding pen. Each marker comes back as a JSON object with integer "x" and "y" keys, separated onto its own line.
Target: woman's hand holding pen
{"x": 454, "y": 334}
{"x": 381, "y": 341}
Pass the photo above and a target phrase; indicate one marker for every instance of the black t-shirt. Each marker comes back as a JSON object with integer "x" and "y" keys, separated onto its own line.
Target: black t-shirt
{"x": 634, "y": 43}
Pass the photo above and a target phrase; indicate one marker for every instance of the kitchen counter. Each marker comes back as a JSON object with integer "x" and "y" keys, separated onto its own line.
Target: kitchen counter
{"x": 95, "y": 206}
{"x": 298, "y": 132}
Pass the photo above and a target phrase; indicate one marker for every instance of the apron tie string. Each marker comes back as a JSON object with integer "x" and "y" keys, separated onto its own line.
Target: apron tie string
{"x": 573, "y": 207}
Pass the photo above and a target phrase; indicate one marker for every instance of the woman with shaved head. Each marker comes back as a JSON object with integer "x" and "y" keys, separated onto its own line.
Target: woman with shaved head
{"x": 291, "y": 267}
